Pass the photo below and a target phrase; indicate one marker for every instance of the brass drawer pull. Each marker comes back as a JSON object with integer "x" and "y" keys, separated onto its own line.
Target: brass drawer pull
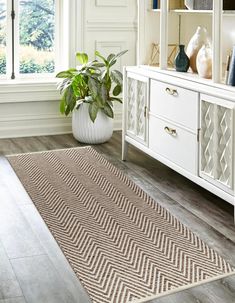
{"x": 170, "y": 131}
{"x": 172, "y": 91}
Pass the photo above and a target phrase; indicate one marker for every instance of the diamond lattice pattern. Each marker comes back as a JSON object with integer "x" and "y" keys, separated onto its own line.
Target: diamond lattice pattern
{"x": 140, "y": 108}
{"x": 136, "y": 98}
{"x": 224, "y": 149}
{"x": 216, "y": 142}
{"x": 131, "y": 95}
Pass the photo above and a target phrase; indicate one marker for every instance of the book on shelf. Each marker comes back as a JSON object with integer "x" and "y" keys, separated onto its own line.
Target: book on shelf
{"x": 176, "y": 4}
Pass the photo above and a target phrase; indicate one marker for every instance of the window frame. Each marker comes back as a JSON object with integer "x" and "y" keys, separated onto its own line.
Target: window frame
{"x": 61, "y": 42}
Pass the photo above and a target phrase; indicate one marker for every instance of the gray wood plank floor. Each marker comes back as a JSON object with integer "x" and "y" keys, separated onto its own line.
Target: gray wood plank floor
{"x": 32, "y": 267}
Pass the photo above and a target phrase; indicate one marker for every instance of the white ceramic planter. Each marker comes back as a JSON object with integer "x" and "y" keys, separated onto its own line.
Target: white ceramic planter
{"x": 85, "y": 131}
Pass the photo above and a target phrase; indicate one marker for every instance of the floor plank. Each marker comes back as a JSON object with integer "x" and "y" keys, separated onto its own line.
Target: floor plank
{"x": 9, "y": 179}
{"x": 9, "y": 289}
{"x": 9, "y": 286}
{"x": 16, "y": 234}
{"x": 40, "y": 281}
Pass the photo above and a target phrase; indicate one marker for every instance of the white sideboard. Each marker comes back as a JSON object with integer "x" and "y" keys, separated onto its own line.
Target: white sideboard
{"x": 186, "y": 124}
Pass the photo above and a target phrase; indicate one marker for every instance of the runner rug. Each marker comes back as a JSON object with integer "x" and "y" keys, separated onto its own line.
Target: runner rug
{"x": 123, "y": 246}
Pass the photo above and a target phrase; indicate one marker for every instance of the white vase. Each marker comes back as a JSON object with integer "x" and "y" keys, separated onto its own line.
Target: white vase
{"x": 197, "y": 41}
{"x": 204, "y": 62}
{"x": 85, "y": 131}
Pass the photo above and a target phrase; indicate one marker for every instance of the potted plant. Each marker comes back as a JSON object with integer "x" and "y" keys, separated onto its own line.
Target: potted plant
{"x": 88, "y": 92}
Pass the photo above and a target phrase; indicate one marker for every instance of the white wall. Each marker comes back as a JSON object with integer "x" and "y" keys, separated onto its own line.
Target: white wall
{"x": 104, "y": 25}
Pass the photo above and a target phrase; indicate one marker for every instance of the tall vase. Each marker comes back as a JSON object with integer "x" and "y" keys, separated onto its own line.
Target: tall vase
{"x": 182, "y": 61}
{"x": 231, "y": 75}
{"x": 155, "y": 4}
{"x": 195, "y": 44}
{"x": 204, "y": 62}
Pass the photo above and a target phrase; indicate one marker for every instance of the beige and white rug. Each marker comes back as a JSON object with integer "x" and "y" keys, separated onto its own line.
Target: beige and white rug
{"x": 123, "y": 246}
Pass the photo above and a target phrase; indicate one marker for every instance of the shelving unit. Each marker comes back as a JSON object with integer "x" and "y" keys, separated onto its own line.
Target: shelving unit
{"x": 180, "y": 119}
{"x": 170, "y": 30}
{"x": 187, "y": 11}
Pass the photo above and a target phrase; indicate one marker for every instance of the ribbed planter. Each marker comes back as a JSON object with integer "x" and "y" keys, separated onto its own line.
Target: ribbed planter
{"x": 85, "y": 131}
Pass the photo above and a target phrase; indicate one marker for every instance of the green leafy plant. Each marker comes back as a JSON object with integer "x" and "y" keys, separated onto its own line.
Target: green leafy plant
{"x": 94, "y": 82}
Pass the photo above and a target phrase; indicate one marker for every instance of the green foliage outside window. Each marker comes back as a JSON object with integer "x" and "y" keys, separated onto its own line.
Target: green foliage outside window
{"x": 37, "y": 36}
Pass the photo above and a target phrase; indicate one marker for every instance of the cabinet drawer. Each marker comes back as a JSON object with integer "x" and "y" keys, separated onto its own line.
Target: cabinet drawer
{"x": 180, "y": 147}
{"x": 175, "y": 103}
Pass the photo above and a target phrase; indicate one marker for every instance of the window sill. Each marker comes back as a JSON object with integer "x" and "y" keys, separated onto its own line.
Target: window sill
{"x": 30, "y": 82}
{"x": 25, "y": 90}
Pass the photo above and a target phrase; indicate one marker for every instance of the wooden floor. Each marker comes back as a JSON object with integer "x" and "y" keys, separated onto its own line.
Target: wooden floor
{"x": 32, "y": 267}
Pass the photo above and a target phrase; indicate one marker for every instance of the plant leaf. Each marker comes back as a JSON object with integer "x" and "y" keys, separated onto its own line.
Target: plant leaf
{"x": 110, "y": 57}
{"x": 110, "y": 103}
{"x": 101, "y": 57}
{"x": 88, "y": 99}
{"x": 65, "y": 74}
{"x": 119, "y": 55}
{"x": 97, "y": 64}
{"x": 103, "y": 93}
{"x": 117, "y": 90}
{"x": 67, "y": 111}
{"x": 63, "y": 85}
{"x": 108, "y": 110}
{"x": 93, "y": 111}
{"x": 62, "y": 106}
{"x": 115, "y": 99}
{"x": 113, "y": 62}
{"x": 103, "y": 74}
{"x": 79, "y": 102}
{"x": 93, "y": 86}
{"x": 117, "y": 77}
{"x": 82, "y": 58}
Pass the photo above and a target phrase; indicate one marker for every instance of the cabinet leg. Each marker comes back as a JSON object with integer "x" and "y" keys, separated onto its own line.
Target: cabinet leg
{"x": 124, "y": 150}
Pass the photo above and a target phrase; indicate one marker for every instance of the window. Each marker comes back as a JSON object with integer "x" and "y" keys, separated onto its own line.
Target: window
{"x": 29, "y": 34}
{"x": 3, "y": 26}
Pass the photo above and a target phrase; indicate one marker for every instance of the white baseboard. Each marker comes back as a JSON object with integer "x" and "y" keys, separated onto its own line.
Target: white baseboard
{"x": 25, "y": 126}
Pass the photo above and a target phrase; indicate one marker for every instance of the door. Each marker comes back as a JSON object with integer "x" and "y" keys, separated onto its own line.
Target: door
{"x": 217, "y": 142}
{"x": 136, "y": 107}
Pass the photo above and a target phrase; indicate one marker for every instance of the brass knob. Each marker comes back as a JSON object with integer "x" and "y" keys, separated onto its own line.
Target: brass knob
{"x": 170, "y": 131}
{"x": 172, "y": 91}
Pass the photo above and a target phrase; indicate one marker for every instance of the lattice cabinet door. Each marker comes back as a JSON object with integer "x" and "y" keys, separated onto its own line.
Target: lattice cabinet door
{"x": 217, "y": 142}
{"x": 136, "y": 99}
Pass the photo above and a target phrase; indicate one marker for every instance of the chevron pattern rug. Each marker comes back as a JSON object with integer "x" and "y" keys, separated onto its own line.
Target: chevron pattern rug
{"x": 123, "y": 245}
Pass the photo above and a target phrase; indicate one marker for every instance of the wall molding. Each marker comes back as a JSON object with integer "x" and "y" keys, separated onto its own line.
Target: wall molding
{"x": 111, "y": 26}
{"x": 111, "y": 3}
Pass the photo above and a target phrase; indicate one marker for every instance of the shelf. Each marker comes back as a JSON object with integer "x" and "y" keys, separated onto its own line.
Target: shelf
{"x": 187, "y": 11}
{"x": 154, "y": 10}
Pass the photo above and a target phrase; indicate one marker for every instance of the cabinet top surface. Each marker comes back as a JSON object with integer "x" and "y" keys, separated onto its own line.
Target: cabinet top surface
{"x": 187, "y": 80}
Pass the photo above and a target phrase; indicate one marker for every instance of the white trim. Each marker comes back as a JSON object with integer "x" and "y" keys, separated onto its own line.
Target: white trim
{"x": 8, "y": 42}
{"x": 217, "y": 40}
{"x": 164, "y": 34}
{"x": 48, "y": 128}
{"x": 80, "y": 32}
{"x": 111, "y": 3}
{"x": 111, "y": 26}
